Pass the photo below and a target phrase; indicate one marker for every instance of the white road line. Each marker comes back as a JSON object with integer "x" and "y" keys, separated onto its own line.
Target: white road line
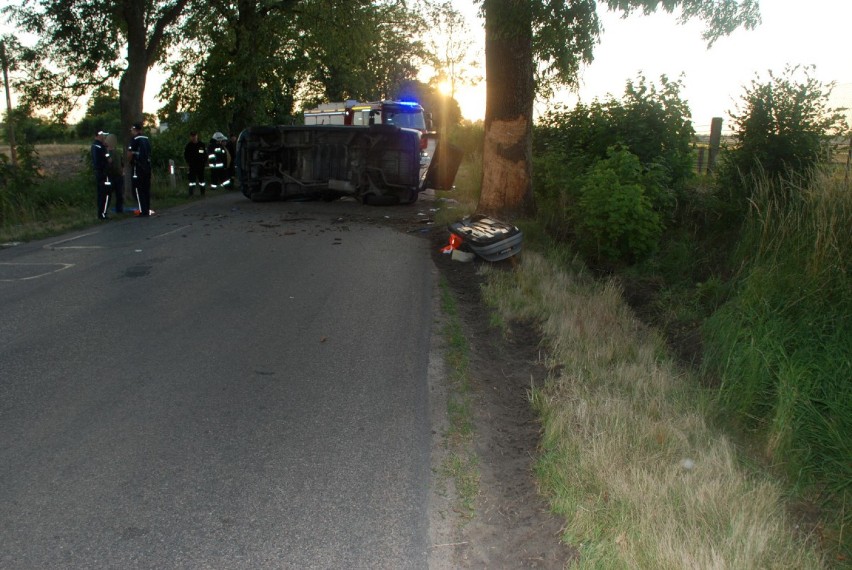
{"x": 56, "y": 244}
{"x": 171, "y": 232}
{"x": 62, "y": 266}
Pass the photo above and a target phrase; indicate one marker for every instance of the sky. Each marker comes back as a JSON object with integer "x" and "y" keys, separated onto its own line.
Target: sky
{"x": 792, "y": 32}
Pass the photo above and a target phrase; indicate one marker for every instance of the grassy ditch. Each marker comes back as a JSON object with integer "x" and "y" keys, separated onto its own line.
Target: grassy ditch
{"x": 629, "y": 457}
{"x": 461, "y": 464}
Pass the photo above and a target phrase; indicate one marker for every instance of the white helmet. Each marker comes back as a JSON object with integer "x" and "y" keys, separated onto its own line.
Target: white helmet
{"x": 219, "y": 136}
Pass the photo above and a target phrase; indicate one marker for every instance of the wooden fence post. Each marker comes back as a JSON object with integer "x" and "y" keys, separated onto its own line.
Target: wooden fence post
{"x": 715, "y": 142}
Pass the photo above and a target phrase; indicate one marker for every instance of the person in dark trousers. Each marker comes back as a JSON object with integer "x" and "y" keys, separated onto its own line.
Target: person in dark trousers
{"x": 232, "y": 153}
{"x": 115, "y": 172}
{"x": 195, "y": 155}
{"x": 139, "y": 159}
{"x": 217, "y": 158}
{"x": 99, "y": 165}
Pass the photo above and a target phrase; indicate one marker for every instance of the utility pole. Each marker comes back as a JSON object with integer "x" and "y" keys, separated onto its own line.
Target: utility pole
{"x": 10, "y": 122}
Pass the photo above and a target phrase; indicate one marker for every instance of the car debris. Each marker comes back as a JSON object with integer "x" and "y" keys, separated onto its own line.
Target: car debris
{"x": 490, "y": 239}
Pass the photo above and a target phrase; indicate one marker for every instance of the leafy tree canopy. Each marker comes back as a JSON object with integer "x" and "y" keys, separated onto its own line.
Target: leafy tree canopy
{"x": 84, "y": 44}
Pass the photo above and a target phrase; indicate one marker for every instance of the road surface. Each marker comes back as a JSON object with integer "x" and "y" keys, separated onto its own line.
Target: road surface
{"x": 226, "y": 385}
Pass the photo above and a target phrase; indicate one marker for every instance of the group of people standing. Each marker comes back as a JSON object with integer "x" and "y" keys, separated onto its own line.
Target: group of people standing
{"x": 109, "y": 167}
{"x": 218, "y": 155}
{"x": 109, "y": 171}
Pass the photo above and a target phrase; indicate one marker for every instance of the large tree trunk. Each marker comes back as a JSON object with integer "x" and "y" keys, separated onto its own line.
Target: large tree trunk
{"x": 131, "y": 85}
{"x": 244, "y": 106}
{"x": 506, "y": 168}
{"x": 144, "y": 41}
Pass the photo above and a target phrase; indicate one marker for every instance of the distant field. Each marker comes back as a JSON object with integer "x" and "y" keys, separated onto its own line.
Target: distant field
{"x": 62, "y": 159}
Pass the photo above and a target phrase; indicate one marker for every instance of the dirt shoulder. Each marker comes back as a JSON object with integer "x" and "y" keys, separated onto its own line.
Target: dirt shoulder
{"x": 512, "y": 527}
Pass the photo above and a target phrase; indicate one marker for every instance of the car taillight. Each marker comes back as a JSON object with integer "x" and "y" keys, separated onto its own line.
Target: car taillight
{"x": 424, "y": 142}
{"x": 455, "y": 243}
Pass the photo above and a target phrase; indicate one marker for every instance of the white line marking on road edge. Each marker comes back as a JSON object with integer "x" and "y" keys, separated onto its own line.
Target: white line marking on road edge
{"x": 62, "y": 268}
{"x": 171, "y": 231}
{"x": 55, "y": 244}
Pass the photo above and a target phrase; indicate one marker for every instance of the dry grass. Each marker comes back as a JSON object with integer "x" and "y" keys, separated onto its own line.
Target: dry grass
{"x": 627, "y": 456}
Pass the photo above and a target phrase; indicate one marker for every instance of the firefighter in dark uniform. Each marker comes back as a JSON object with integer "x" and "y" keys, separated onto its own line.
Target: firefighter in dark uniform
{"x": 115, "y": 172}
{"x": 195, "y": 156}
{"x": 232, "y": 153}
{"x": 139, "y": 159}
{"x": 100, "y": 163}
{"x": 217, "y": 159}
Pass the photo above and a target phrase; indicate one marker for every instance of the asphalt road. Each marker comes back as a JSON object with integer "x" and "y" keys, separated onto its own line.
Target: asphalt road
{"x": 226, "y": 385}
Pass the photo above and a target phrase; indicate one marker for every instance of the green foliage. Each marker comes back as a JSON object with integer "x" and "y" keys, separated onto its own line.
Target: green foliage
{"x": 102, "y": 114}
{"x": 34, "y": 129}
{"x": 782, "y": 129}
{"x": 445, "y": 111}
{"x": 15, "y": 180}
{"x": 469, "y": 137}
{"x": 26, "y": 197}
{"x": 250, "y": 62}
{"x": 615, "y": 219}
{"x": 651, "y": 122}
{"x": 651, "y": 125}
{"x": 783, "y": 344}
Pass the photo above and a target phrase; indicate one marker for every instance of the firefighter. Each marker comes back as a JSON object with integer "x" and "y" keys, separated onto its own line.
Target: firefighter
{"x": 217, "y": 159}
{"x": 232, "y": 152}
{"x": 100, "y": 163}
{"x": 115, "y": 172}
{"x": 139, "y": 159}
{"x": 195, "y": 155}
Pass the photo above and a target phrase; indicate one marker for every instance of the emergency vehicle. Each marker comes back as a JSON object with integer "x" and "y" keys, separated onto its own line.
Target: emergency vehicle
{"x": 381, "y": 152}
{"x": 403, "y": 114}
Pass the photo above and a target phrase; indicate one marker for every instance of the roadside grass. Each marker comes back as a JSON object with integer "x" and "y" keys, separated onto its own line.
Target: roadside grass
{"x": 461, "y": 464}
{"x": 782, "y": 346}
{"x": 55, "y": 205}
{"x": 628, "y": 453}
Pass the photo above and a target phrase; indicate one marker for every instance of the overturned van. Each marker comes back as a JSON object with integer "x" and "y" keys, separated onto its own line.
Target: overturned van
{"x": 377, "y": 164}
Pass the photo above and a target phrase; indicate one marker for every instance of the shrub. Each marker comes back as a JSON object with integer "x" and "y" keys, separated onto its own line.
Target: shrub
{"x": 468, "y": 136}
{"x": 650, "y": 124}
{"x": 615, "y": 218}
{"x": 782, "y": 129}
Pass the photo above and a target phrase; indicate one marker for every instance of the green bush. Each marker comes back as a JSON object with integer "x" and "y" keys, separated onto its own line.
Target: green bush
{"x": 651, "y": 122}
{"x": 782, "y": 129}
{"x": 615, "y": 218}
{"x": 468, "y": 136}
{"x": 592, "y": 203}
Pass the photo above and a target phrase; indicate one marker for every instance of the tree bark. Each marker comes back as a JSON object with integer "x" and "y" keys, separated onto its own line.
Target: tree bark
{"x": 144, "y": 44}
{"x": 506, "y": 162}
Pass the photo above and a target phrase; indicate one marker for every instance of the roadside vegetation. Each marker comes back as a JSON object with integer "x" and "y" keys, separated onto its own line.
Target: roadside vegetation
{"x": 461, "y": 462}
{"x": 699, "y": 329}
